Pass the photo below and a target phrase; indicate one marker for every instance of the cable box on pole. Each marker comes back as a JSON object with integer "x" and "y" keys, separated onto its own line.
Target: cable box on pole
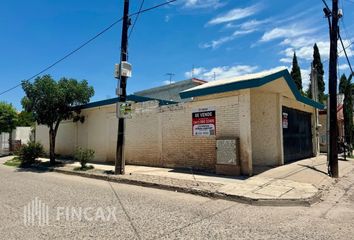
{"x": 126, "y": 69}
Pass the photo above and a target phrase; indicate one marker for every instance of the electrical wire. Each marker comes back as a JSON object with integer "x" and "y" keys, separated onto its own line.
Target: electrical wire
{"x": 86, "y": 43}
{"x": 136, "y": 18}
{"x": 345, "y": 52}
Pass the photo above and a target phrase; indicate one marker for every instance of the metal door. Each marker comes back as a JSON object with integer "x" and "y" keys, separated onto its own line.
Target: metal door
{"x": 297, "y": 135}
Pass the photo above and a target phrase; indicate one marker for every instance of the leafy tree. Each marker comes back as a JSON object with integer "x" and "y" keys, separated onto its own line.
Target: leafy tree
{"x": 25, "y": 119}
{"x": 8, "y": 117}
{"x": 345, "y": 87}
{"x": 51, "y": 102}
{"x": 296, "y": 73}
{"x": 8, "y": 120}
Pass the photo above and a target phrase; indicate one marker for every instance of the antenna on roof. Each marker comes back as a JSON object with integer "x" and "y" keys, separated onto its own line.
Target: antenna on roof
{"x": 192, "y": 71}
{"x": 171, "y": 75}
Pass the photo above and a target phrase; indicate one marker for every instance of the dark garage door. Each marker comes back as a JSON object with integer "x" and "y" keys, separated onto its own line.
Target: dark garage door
{"x": 297, "y": 136}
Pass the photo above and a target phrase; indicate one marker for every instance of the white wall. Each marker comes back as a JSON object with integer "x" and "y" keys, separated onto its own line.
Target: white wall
{"x": 22, "y": 133}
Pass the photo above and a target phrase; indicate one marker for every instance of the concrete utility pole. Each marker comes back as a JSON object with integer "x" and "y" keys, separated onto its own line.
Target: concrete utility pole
{"x": 333, "y": 154}
{"x": 122, "y": 92}
{"x": 314, "y": 91}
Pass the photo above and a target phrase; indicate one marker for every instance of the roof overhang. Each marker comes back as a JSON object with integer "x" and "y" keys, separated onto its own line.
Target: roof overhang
{"x": 132, "y": 98}
{"x": 250, "y": 83}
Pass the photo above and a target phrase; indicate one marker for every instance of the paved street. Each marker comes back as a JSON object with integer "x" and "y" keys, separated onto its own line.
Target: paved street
{"x": 145, "y": 213}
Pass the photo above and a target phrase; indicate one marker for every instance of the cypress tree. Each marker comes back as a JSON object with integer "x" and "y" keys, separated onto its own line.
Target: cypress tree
{"x": 345, "y": 87}
{"x": 296, "y": 73}
{"x": 317, "y": 64}
{"x": 342, "y": 84}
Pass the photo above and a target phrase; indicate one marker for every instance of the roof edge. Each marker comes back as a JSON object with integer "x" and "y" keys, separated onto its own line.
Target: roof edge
{"x": 110, "y": 101}
{"x": 252, "y": 83}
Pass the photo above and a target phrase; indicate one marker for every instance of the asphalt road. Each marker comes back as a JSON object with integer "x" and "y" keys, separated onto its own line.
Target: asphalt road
{"x": 145, "y": 213}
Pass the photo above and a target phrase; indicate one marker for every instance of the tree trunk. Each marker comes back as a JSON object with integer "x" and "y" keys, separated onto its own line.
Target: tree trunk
{"x": 10, "y": 142}
{"x": 52, "y": 134}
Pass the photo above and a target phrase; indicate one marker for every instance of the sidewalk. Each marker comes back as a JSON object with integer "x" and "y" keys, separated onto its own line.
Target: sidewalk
{"x": 298, "y": 183}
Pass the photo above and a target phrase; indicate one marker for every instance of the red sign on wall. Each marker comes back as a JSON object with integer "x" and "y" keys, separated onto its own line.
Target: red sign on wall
{"x": 204, "y": 122}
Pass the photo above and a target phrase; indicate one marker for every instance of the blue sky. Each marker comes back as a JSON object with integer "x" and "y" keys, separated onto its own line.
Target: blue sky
{"x": 226, "y": 37}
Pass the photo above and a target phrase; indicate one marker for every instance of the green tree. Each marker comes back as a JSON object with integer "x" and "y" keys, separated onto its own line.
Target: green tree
{"x": 345, "y": 87}
{"x": 8, "y": 117}
{"x": 25, "y": 119}
{"x": 318, "y": 66}
{"x": 51, "y": 102}
{"x": 296, "y": 73}
{"x": 342, "y": 84}
{"x": 8, "y": 120}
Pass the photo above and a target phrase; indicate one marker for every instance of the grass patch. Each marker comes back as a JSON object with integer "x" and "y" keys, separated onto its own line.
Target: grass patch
{"x": 86, "y": 168}
{"x": 15, "y": 162}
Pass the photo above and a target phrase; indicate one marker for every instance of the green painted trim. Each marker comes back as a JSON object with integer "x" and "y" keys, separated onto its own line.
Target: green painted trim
{"x": 133, "y": 98}
{"x": 252, "y": 83}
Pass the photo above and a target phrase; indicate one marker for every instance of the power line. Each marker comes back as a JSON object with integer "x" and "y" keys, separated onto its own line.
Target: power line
{"x": 345, "y": 52}
{"x": 136, "y": 18}
{"x": 86, "y": 43}
{"x": 339, "y": 52}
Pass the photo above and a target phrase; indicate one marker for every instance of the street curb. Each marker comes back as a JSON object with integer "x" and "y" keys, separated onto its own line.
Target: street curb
{"x": 307, "y": 202}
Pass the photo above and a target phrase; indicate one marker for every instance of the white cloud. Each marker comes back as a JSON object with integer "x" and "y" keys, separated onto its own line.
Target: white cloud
{"x": 305, "y": 76}
{"x": 217, "y": 43}
{"x": 195, "y": 72}
{"x": 286, "y": 32}
{"x": 306, "y": 51}
{"x": 343, "y": 67}
{"x": 252, "y": 24}
{"x": 235, "y": 14}
{"x": 286, "y": 60}
{"x": 167, "y": 82}
{"x": 203, "y": 4}
{"x": 167, "y": 18}
{"x": 221, "y": 72}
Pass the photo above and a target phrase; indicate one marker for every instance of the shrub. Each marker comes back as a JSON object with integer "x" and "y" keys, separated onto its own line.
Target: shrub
{"x": 84, "y": 156}
{"x": 29, "y": 152}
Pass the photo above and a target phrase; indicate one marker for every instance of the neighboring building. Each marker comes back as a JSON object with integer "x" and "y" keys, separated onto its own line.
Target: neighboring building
{"x": 323, "y": 118}
{"x": 19, "y": 136}
{"x": 171, "y": 91}
{"x": 231, "y": 126}
{"x": 4, "y": 144}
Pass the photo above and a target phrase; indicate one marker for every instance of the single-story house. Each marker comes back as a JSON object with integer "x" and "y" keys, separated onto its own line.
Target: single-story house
{"x": 231, "y": 126}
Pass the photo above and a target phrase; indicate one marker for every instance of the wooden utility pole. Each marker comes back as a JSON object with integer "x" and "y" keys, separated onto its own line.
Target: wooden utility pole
{"x": 122, "y": 92}
{"x": 333, "y": 135}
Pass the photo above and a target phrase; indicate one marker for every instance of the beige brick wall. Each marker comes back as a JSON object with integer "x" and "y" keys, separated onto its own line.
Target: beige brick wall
{"x": 143, "y": 135}
{"x": 180, "y": 148}
{"x": 155, "y": 136}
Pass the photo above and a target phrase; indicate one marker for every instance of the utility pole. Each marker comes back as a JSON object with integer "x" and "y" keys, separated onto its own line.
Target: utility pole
{"x": 333, "y": 154}
{"x": 314, "y": 91}
{"x": 122, "y": 92}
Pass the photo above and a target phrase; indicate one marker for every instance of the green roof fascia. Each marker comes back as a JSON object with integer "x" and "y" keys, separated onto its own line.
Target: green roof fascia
{"x": 252, "y": 83}
{"x": 133, "y": 98}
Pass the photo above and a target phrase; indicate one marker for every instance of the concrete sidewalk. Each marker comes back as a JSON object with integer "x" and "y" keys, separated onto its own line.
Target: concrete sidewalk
{"x": 298, "y": 183}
